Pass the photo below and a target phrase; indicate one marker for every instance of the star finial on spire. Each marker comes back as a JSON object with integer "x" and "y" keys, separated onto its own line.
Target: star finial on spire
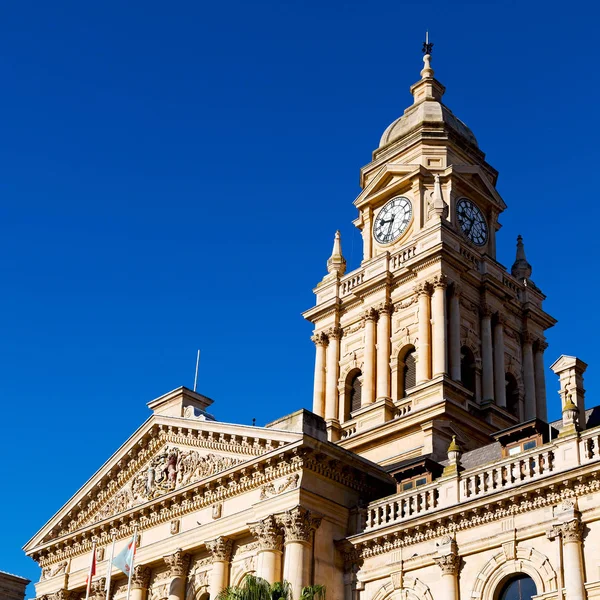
{"x": 427, "y": 46}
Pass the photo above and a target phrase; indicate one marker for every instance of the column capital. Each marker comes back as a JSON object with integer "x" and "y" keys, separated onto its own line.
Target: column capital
{"x": 97, "y": 591}
{"x": 370, "y": 314}
{"x": 178, "y": 563}
{"x": 423, "y": 289}
{"x": 485, "y": 310}
{"x": 572, "y": 531}
{"x": 268, "y": 533}
{"x": 541, "y": 346}
{"x": 63, "y": 595}
{"x": 320, "y": 339}
{"x": 221, "y": 549}
{"x": 456, "y": 289}
{"x": 140, "y": 578}
{"x": 439, "y": 281}
{"x": 527, "y": 338}
{"x": 500, "y": 318}
{"x": 448, "y": 563}
{"x": 334, "y": 333}
{"x": 386, "y": 308}
{"x": 299, "y": 523}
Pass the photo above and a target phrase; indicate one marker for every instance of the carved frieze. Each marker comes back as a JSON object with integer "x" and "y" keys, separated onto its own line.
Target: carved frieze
{"x": 54, "y": 570}
{"x": 171, "y": 469}
{"x": 270, "y": 489}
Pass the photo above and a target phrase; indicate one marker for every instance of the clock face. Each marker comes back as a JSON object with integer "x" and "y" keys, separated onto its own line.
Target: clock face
{"x": 471, "y": 221}
{"x": 392, "y": 220}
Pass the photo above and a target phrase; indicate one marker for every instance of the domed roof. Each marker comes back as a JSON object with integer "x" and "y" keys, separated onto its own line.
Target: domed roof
{"x": 428, "y": 109}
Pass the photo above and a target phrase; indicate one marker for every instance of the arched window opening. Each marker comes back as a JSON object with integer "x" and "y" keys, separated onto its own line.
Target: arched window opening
{"x": 467, "y": 368}
{"x": 409, "y": 371}
{"x": 355, "y": 391}
{"x": 521, "y": 587}
{"x": 512, "y": 394}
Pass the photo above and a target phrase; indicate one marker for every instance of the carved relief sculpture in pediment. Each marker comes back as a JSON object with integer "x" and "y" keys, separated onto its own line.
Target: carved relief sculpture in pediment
{"x": 169, "y": 470}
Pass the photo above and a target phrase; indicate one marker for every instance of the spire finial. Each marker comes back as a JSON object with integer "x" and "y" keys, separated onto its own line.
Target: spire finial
{"x": 521, "y": 269}
{"x": 337, "y": 263}
{"x": 427, "y": 71}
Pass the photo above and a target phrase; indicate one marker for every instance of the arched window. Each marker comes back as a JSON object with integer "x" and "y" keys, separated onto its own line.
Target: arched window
{"x": 520, "y": 587}
{"x": 410, "y": 371}
{"x": 467, "y": 368}
{"x": 355, "y": 391}
{"x": 512, "y": 394}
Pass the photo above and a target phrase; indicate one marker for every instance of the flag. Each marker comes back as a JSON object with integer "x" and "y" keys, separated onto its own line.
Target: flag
{"x": 124, "y": 560}
{"x": 88, "y": 581}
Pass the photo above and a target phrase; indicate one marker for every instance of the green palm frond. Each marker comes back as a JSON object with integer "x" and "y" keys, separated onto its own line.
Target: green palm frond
{"x": 313, "y": 592}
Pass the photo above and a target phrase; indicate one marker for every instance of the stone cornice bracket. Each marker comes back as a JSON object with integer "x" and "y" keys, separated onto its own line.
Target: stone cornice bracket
{"x": 299, "y": 524}
{"x": 320, "y": 339}
{"x": 220, "y": 548}
{"x": 140, "y": 578}
{"x": 268, "y": 534}
{"x": 178, "y": 563}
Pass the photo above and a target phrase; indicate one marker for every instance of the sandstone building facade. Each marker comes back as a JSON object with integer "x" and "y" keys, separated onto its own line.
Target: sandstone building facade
{"x": 426, "y": 470}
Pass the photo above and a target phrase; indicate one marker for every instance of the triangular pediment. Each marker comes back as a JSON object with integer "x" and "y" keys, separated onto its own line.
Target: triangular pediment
{"x": 388, "y": 180}
{"x": 165, "y": 455}
{"x": 475, "y": 178}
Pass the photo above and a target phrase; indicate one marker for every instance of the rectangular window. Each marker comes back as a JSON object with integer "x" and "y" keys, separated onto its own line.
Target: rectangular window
{"x": 514, "y": 450}
{"x": 529, "y": 445}
{"x": 408, "y": 485}
{"x": 421, "y": 481}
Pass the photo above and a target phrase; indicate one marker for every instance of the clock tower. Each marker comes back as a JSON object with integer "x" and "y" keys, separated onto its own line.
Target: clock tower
{"x": 430, "y": 337}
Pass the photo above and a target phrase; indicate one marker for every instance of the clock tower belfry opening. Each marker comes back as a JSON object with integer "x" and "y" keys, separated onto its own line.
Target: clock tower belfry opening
{"x": 430, "y": 336}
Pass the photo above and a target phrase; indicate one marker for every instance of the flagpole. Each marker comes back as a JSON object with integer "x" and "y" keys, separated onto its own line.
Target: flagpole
{"x": 109, "y": 567}
{"x": 88, "y": 587}
{"x": 132, "y": 562}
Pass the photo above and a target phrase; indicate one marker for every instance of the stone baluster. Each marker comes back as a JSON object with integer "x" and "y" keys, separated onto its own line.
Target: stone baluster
{"x": 270, "y": 546}
{"x": 140, "y": 581}
{"x": 499, "y": 368}
{"x": 299, "y": 525}
{"x": 383, "y": 351}
{"x": 540, "y": 380}
{"x": 486, "y": 353}
{"x": 320, "y": 340}
{"x": 454, "y": 333}
{"x": 439, "y": 326}
{"x": 178, "y": 563}
{"x": 424, "y": 333}
{"x": 333, "y": 368}
{"x": 368, "y": 383}
{"x": 220, "y": 549}
{"x": 529, "y": 376}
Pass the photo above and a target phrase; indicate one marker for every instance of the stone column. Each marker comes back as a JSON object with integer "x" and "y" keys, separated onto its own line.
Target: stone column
{"x": 220, "y": 550}
{"x": 449, "y": 564}
{"x": 178, "y": 564}
{"x": 140, "y": 581}
{"x": 368, "y": 382}
{"x": 540, "y": 380}
{"x": 454, "y": 332}
{"x": 438, "y": 322}
{"x": 299, "y": 525}
{"x": 424, "y": 333}
{"x": 499, "y": 369}
{"x": 270, "y": 545}
{"x": 572, "y": 536}
{"x": 486, "y": 354}
{"x": 529, "y": 376}
{"x": 333, "y": 367}
{"x": 383, "y": 351}
{"x": 321, "y": 341}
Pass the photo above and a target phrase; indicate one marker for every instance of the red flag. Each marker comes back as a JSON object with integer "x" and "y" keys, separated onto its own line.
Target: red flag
{"x": 88, "y": 581}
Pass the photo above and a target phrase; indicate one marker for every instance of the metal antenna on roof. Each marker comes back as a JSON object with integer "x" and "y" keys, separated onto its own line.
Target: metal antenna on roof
{"x": 196, "y": 375}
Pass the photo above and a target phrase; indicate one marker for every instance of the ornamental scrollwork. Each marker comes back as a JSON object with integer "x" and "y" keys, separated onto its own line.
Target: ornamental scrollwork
{"x": 59, "y": 569}
{"x": 270, "y": 489}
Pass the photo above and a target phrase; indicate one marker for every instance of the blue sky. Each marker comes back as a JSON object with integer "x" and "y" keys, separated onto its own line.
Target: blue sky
{"x": 172, "y": 176}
